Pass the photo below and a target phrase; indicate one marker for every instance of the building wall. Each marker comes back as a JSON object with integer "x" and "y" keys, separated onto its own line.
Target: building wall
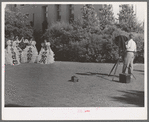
{"x": 38, "y": 12}
{"x": 34, "y": 12}
{"x": 64, "y": 13}
{"x": 51, "y": 14}
{"x": 38, "y": 18}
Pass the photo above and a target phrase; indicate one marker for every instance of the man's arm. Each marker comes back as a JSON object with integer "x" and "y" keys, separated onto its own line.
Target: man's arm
{"x": 127, "y": 44}
{"x": 135, "y": 48}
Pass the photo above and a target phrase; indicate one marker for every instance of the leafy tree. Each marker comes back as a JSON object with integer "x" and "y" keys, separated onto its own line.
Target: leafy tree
{"x": 89, "y": 16}
{"x": 106, "y": 16}
{"x": 18, "y": 24}
{"x": 127, "y": 19}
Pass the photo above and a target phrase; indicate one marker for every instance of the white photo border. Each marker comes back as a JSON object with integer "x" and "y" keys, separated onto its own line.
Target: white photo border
{"x": 68, "y": 113}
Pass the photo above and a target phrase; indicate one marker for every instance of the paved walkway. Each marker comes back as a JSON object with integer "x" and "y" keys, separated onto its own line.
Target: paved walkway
{"x": 36, "y": 85}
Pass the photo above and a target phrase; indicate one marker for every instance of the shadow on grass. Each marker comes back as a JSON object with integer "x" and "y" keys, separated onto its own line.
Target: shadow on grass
{"x": 131, "y": 97}
{"x": 101, "y": 75}
{"x": 72, "y": 81}
{"x": 97, "y": 74}
{"x": 15, "y": 105}
{"x": 138, "y": 70}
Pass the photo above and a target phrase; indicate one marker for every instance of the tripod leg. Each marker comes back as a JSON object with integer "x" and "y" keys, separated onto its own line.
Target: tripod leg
{"x": 115, "y": 70}
{"x": 133, "y": 76}
{"x": 113, "y": 67}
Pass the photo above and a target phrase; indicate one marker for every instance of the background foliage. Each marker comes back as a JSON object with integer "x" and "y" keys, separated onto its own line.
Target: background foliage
{"x": 86, "y": 39}
{"x": 18, "y": 24}
{"x": 128, "y": 21}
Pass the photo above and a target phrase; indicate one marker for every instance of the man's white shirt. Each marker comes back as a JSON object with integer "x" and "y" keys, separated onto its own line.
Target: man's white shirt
{"x": 131, "y": 46}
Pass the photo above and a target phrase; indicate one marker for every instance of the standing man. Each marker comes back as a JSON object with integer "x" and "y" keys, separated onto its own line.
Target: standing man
{"x": 129, "y": 55}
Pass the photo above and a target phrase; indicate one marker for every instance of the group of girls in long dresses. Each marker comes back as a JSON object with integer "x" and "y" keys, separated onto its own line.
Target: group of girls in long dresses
{"x": 14, "y": 55}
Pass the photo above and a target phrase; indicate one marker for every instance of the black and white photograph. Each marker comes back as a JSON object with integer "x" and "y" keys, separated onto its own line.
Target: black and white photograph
{"x": 74, "y": 60}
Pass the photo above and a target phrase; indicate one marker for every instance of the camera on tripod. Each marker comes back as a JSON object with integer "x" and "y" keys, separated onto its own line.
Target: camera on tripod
{"x": 120, "y": 42}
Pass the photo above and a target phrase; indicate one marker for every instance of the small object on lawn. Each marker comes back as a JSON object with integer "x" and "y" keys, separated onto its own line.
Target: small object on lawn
{"x": 124, "y": 78}
{"x": 74, "y": 79}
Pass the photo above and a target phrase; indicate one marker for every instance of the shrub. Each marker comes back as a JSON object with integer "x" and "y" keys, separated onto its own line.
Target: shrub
{"x": 72, "y": 42}
{"x": 110, "y": 52}
{"x": 139, "y": 39}
{"x": 113, "y": 31}
{"x": 57, "y": 30}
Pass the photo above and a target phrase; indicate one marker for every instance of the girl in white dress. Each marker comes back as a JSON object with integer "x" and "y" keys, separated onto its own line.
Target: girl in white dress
{"x": 35, "y": 52}
{"x": 30, "y": 53}
{"x": 14, "y": 44}
{"x": 51, "y": 53}
{"x": 43, "y": 54}
{"x": 12, "y": 53}
{"x": 46, "y": 54}
{"x": 18, "y": 48}
{"x": 24, "y": 52}
{"x": 8, "y": 58}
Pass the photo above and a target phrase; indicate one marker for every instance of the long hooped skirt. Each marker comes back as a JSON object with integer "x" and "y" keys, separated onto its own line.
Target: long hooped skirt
{"x": 29, "y": 55}
{"x": 45, "y": 57}
{"x": 11, "y": 56}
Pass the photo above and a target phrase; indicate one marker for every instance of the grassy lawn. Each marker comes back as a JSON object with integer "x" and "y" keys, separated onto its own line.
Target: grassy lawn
{"x": 36, "y": 85}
